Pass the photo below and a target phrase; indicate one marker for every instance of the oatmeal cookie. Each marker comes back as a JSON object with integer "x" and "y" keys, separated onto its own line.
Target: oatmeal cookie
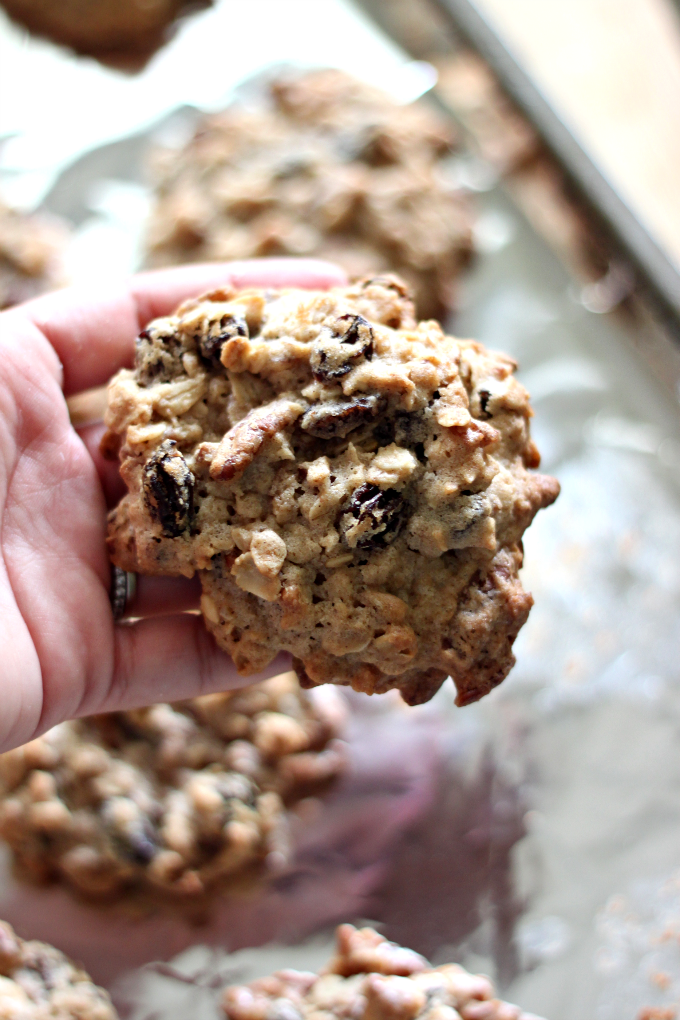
{"x": 174, "y": 798}
{"x": 37, "y": 982}
{"x": 374, "y": 979}
{"x": 352, "y": 486}
{"x": 332, "y": 168}
{"x": 31, "y": 249}
{"x": 123, "y": 32}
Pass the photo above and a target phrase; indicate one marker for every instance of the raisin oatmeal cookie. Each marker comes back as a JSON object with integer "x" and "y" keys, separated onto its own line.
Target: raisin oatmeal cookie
{"x": 37, "y": 982}
{"x": 122, "y": 32}
{"x": 31, "y": 248}
{"x": 352, "y": 486}
{"x": 372, "y": 979}
{"x": 174, "y": 798}
{"x": 331, "y": 168}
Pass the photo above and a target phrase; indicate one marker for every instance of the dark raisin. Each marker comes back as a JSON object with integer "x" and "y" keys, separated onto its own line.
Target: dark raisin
{"x": 377, "y": 147}
{"x": 383, "y": 433}
{"x": 338, "y": 417}
{"x": 140, "y": 847}
{"x": 157, "y": 357}
{"x": 168, "y": 489}
{"x": 339, "y": 347}
{"x": 210, "y": 344}
{"x": 374, "y": 517}
{"x": 484, "y": 398}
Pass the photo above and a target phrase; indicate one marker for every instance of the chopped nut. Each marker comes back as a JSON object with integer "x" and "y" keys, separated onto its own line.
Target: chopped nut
{"x": 269, "y": 552}
{"x": 248, "y": 577}
{"x": 243, "y": 442}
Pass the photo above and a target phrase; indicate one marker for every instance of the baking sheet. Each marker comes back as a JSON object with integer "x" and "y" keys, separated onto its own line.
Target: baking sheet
{"x": 556, "y": 798}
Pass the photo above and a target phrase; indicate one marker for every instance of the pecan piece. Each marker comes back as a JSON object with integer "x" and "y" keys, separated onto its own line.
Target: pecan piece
{"x": 339, "y": 347}
{"x": 242, "y": 443}
{"x": 169, "y": 488}
{"x": 338, "y": 417}
{"x": 374, "y": 517}
{"x": 227, "y": 327}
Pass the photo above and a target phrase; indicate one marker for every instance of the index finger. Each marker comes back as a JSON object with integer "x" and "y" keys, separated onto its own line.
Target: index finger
{"x": 93, "y": 330}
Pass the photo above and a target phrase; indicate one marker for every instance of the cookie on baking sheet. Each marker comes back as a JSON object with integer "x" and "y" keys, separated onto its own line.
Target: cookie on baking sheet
{"x": 327, "y": 167}
{"x": 373, "y": 979}
{"x": 31, "y": 249}
{"x": 351, "y": 486}
{"x": 124, "y": 32}
{"x": 173, "y": 799}
{"x": 37, "y": 982}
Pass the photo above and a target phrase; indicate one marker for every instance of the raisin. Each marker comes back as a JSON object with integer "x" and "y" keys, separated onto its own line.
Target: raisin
{"x": 484, "y": 398}
{"x": 210, "y": 344}
{"x": 339, "y": 347}
{"x": 157, "y": 357}
{"x": 377, "y": 146}
{"x": 141, "y": 847}
{"x": 374, "y": 517}
{"x": 169, "y": 488}
{"x": 338, "y": 417}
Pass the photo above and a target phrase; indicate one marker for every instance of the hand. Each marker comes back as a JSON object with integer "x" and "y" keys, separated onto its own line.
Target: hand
{"x": 61, "y": 654}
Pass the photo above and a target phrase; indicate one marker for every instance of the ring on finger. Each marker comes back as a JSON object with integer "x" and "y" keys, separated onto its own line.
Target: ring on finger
{"x": 123, "y": 591}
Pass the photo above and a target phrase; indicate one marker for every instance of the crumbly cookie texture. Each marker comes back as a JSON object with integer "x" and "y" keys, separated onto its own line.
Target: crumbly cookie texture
{"x": 37, "y": 982}
{"x": 326, "y": 166}
{"x": 175, "y": 799}
{"x": 370, "y": 978}
{"x": 352, "y": 486}
{"x": 115, "y": 31}
{"x": 31, "y": 248}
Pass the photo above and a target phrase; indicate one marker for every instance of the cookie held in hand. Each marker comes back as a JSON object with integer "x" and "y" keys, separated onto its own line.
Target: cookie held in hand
{"x": 352, "y": 486}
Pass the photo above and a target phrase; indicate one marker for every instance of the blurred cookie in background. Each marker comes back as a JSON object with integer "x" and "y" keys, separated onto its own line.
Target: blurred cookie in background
{"x": 319, "y": 164}
{"x": 37, "y": 982}
{"x": 31, "y": 255}
{"x": 120, "y": 32}
{"x": 172, "y": 800}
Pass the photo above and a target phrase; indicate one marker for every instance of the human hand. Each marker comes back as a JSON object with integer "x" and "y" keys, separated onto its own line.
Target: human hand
{"x": 61, "y": 653}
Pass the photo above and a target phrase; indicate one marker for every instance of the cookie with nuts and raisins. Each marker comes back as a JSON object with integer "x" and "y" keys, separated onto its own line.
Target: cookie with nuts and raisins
{"x": 37, "y": 982}
{"x": 172, "y": 801}
{"x": 374, "y": 979}
{"x": 322, "y": 165}
{"x": 350, "y": 485}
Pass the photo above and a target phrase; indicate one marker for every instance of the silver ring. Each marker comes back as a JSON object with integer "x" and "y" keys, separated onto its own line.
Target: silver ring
{"x": 123, "y": 590}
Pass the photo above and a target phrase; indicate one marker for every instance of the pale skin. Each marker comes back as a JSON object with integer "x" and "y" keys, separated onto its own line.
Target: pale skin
{"x": 61, "y": 653}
